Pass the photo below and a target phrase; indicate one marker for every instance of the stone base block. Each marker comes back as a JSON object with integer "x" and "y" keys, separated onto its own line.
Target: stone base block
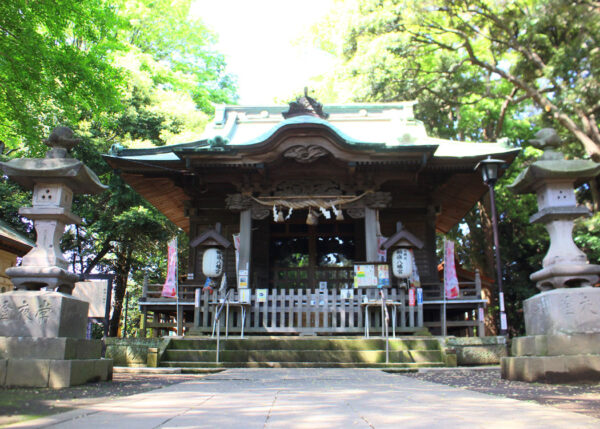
{"x": 49, "y": 348}
{"x": 563, "y": 311}
{"x": 556, "y": 345}
{"x": 55, "y": 373}
{"x": 552, "y": 369}
{"x": 42, "y": 314}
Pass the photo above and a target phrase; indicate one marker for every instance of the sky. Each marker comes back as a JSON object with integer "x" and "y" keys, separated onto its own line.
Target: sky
{"x": 259, "y": 39}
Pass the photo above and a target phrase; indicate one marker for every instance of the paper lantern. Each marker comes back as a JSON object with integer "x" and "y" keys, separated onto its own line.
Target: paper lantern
{"x": 212, "y": 262}
{"x": 402, "y": 263}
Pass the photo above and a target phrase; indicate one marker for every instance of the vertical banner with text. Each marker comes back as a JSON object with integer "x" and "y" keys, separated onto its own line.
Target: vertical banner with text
{"x": 450, "y": 278}
{"x": 170, "y": 287}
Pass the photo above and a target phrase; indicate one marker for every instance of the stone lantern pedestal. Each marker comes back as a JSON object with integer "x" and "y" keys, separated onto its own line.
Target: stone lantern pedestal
{"x": 562, "y": 322}
{"x": 43, "y": 327}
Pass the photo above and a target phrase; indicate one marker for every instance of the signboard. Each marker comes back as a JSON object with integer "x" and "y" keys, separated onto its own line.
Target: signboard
{"x": 243, "y": 279}
{"x": 322, "y": 285}
{"x": 371, "y": 275}
{"x": 244, "y": 295}
{"x": 94, "y": 292}
{"x": 261, "y": 295}
{"x": 347, "y": 293}
{"x": 383, "y": 276}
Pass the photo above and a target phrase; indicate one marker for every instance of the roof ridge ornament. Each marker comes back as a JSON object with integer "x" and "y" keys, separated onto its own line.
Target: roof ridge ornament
{"x": 305, "y": 105}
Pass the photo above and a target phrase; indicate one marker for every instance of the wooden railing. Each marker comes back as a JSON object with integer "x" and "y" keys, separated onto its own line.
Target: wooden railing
{"x": 295, "y": 311}
{"x": 308, "y": 311}
{"x": 469, "y": 303}
{"x": 290, "y": 311}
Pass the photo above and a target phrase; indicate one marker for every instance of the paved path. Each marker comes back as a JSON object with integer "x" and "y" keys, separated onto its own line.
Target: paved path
{"x": 312, "y": 398}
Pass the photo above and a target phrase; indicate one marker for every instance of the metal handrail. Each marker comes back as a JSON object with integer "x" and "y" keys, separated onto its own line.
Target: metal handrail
{"x": 217, "y": 321}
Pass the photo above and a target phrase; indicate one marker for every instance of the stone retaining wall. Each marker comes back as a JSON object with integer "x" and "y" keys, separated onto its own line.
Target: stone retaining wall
{"x": 478, "y": 351}
{"x": 132, "y": 351}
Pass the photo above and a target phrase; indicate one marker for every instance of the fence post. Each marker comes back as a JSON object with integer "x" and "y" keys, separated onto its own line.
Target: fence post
{"x": 480, "y": 306}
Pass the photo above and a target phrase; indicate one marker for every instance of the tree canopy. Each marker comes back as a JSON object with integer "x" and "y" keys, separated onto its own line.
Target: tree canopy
{"x": 127, "y": 72}
{"x": 481, "y": 71}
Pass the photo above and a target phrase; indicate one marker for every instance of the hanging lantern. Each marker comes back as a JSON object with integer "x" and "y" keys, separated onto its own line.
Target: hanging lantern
{"x": 402, "y": 263}
{"x": 212, "y": 262}
{"x": 311, "y": 219}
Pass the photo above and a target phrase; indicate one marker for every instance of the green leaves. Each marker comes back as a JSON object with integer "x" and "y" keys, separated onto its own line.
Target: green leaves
{"x": 52, "y": 64}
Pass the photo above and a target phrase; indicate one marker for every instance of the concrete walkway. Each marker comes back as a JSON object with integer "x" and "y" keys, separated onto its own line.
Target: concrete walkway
{"x": 312, "y": 398}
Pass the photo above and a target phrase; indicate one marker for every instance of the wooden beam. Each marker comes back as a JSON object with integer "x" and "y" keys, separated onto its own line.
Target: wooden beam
{"x": 371, "y": 234}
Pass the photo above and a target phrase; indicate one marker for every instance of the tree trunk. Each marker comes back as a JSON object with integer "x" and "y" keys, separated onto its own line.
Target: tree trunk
{"x": 123, "y": 267}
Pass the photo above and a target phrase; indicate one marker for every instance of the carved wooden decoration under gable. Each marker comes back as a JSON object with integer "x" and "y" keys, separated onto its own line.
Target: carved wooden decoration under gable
{"x": 305, "y": 154}
{"x": 260, "y": 212}
{"x": 356, "y": 213}
{"x": 308, "y": 187}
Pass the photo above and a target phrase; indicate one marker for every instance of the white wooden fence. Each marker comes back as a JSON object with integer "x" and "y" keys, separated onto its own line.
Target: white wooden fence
{"x": 309, "y": 311}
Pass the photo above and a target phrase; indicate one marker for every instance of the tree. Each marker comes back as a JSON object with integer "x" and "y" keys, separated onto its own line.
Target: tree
{"x": 541, "y": 53}
{"x": 54, "y": 63}
{"x": 161, "y": 76}
{"x": 481, "y": 71}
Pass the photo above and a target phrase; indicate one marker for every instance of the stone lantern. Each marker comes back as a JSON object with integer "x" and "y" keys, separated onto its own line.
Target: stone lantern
{"x": 43, "y": 327}
{"x": 54, "y": 180}
{"x": 562, "y": 323}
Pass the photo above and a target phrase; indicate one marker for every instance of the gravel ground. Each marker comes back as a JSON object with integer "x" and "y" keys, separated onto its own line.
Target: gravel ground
{"x": 21, "y": 404}
{"x": 579, "y": 398}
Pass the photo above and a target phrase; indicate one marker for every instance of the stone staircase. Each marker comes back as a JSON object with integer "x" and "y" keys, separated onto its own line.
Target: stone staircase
{"x": 191, "y": 353}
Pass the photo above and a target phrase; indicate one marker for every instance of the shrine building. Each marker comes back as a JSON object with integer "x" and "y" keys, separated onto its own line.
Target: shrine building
{"x": 300, "y": 201}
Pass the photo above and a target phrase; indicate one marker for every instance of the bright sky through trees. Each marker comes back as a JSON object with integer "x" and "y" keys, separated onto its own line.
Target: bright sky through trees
{"x": 260, "y": 42}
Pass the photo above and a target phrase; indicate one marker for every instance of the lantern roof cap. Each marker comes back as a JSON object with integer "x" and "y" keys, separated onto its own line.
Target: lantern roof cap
{"x": 212, "y": 237}
{"x": 402, "y": 237}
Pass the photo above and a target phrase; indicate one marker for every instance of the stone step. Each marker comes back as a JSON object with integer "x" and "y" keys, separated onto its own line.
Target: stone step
{"x": 191, "y": 367}
{"x": 350, "y": 356}
{"x": 300, "y": 343}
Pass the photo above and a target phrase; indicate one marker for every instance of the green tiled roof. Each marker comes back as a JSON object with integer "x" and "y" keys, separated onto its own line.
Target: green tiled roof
{"x": 10, "y": 236}
{"x": 387, "y": 127}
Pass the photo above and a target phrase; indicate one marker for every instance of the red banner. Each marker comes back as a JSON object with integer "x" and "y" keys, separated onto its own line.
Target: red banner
{"x": 170, "y": 287}
{"x": 450, "y": 278}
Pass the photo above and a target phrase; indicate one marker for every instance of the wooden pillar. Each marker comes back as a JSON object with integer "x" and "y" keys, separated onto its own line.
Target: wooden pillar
{"x": 245, "y": 242}
{"x": 371, "y": 229}
{"x": 430, "y": 218}
{"x": 197, "y": 294}
{"x": 144, "y": 318}
{"x": 179, "y": 315}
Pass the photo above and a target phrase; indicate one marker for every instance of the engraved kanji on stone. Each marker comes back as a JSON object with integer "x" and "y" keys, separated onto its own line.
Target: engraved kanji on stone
{"x": 43, "y": 312}
{"x": 25, "y": 311}
{"x": 7, "y": 311}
